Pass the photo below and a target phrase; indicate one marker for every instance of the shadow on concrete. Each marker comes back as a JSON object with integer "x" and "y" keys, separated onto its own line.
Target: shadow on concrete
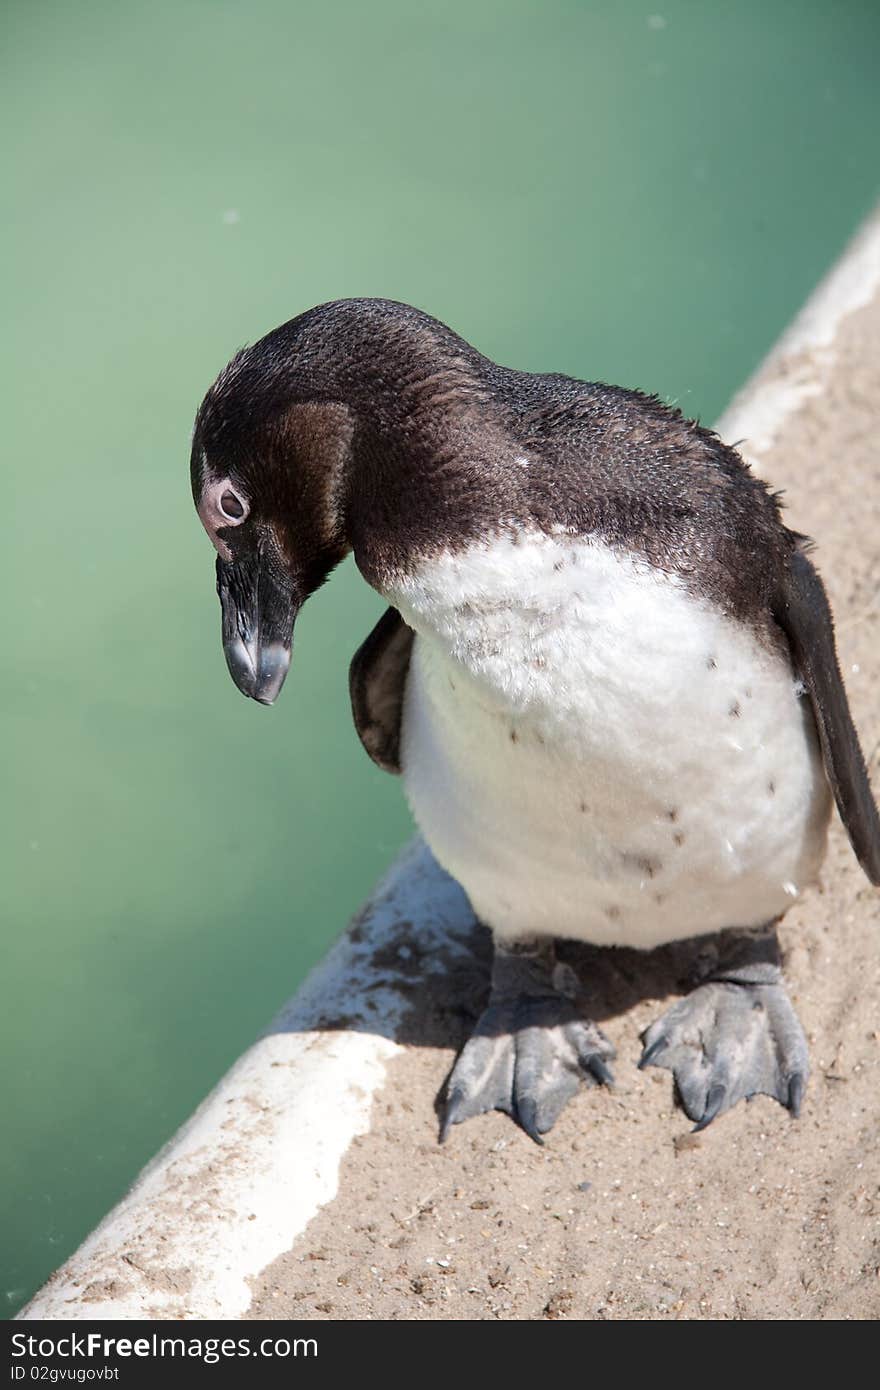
{"x": 415, "y": 967}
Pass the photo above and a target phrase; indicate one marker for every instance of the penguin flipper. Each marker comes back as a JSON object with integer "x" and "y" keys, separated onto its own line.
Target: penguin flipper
{"x": 803, "y": 612}
{"x": 376, "y": 683}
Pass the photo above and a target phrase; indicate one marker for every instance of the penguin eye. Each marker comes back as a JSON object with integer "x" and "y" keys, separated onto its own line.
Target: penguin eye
{"x": 232, "y": 506}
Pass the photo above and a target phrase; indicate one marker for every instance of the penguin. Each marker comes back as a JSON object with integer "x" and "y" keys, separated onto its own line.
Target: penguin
{"x": 606, "y": 674}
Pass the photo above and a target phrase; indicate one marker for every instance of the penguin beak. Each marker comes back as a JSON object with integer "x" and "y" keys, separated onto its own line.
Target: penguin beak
{"x": 258, "y": 615}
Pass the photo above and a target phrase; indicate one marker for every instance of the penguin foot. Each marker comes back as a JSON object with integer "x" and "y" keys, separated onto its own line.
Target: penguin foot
{"x": 530, "y": 1050}
{"x": 728, "y": 1041}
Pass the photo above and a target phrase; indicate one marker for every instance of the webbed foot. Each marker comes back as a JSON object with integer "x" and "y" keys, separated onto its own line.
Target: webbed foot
{"x": 735, "y": 1036}
{"x": 530, "y": 1050}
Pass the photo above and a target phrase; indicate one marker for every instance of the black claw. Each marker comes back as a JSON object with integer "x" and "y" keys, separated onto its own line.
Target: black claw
{"x": 797, "y": 1084}
{"x": 651, "y": 1052}
{"x": 714, "y": 1101}
{"x": 450, "y": 1118}
{"x": 600, "y": 1070}
{"x": 527, "y": 1114}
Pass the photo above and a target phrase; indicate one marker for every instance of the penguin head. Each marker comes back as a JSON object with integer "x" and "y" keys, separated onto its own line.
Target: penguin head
{"x": 267, "y": 471}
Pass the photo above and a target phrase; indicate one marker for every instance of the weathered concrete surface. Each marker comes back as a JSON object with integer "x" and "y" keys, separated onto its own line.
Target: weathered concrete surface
{"x": 249, "y": 1170}
{"x": 306, "y": 1187}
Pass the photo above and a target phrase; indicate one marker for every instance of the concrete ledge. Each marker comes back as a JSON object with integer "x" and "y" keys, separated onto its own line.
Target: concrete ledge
{"x": 249, "y": 1170}
{"x": 243, "y": 1213}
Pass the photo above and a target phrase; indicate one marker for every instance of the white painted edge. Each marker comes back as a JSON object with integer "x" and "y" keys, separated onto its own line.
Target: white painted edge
{"x": 802, "y": 360}
{"x": 245, "y": 1175}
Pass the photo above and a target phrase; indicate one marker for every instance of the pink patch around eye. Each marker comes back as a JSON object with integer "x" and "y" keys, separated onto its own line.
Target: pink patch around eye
{"x": 221, "y": 507}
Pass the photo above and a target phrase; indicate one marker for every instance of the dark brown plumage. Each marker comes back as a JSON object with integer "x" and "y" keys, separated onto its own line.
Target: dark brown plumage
{"x": 421, "y": 432}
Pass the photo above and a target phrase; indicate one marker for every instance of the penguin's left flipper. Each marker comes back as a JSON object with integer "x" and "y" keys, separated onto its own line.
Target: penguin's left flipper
{"x": 735, "y": 1036}
{"x": 376, "y": 684}
{"x": 531, "y": 1048}
{"x": 802, "y": 611}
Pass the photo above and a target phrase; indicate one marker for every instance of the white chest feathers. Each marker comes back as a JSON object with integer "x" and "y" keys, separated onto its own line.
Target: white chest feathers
{"x": 596, "y": 754}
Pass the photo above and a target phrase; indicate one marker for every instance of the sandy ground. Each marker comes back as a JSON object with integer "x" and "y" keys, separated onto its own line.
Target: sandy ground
{"x": 625, "y": 1214}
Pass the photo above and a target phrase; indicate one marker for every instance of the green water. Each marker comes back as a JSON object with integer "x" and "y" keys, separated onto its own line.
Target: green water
{"x": 595, "y": 188}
